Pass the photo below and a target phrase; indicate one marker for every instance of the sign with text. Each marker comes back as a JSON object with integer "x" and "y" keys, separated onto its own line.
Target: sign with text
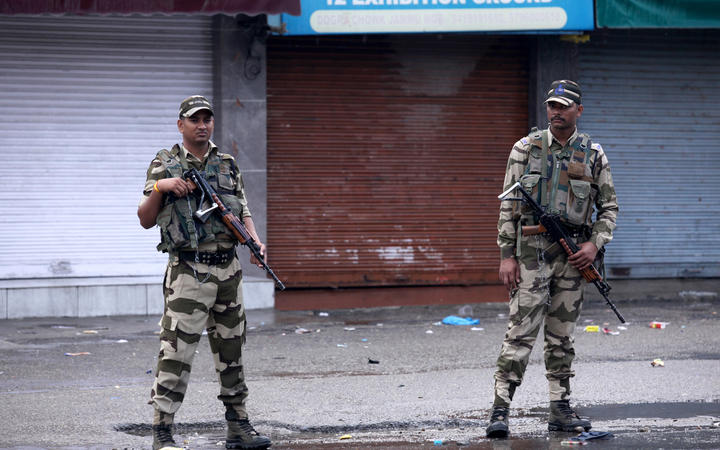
{"x": 435, "y": 16}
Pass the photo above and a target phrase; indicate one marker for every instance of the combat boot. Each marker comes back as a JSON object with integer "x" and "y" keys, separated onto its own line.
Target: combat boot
{"x": 564, "y": 418}
{"x": 162, "y": 437}
{"x": 498, "y": 427}
{"x": 162, "y": 431}
{"x": 240, "y": 434}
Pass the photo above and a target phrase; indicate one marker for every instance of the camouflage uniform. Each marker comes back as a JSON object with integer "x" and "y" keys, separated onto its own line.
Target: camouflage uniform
{"x": 551, "y": 288}
{"x": 192, "y": 305}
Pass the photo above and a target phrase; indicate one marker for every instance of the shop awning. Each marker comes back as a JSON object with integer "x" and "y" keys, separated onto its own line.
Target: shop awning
{"x": 230, "y": 7}
{"x": 657, "y": 13}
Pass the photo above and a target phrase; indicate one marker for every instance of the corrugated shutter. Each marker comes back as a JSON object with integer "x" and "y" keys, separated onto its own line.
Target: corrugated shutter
{"x": 87, "y": 102}
{"x": 651, "y": 100}
{"x": 386, "y": 155}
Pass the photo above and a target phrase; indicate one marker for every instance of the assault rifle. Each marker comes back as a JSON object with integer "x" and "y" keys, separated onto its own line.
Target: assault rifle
{"x": 550, "y": 224}
{"x": 231, "y": 221}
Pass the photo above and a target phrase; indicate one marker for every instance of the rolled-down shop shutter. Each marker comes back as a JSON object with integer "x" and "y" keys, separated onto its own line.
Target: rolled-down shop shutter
{"x": 87, "y": 102}
{"x": 386, "y": 154}
{"x": 651, "y": 99}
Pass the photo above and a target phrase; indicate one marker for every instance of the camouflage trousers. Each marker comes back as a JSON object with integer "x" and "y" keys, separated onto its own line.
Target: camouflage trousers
{"x": 191, "y": 307}
{"x": 549, "y": 292}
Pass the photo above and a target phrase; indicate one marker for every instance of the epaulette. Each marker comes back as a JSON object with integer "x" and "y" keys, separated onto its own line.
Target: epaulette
{"x": 174, "y": 150}
{"x": 535, "y": 140}
{"x": 583, "y": 139}
{"x": 169, "y": 160}
{"x": 165, "y": 156}
{"x": 535, "y": 137}
{"x": 597, "y": 148}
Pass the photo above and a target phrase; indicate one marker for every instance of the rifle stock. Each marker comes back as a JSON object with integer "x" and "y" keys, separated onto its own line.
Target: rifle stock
{"x": 532, "y": 230}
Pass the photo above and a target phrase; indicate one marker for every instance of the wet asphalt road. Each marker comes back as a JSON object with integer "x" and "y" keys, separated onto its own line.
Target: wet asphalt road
{"x": 431, "y": 383}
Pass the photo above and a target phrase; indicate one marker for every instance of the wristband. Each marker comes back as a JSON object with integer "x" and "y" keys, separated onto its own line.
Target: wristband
{"x": 156, "y": 188}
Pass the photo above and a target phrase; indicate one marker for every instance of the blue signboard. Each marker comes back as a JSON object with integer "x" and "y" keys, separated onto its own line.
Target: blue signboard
{"x": 435, "y": 16}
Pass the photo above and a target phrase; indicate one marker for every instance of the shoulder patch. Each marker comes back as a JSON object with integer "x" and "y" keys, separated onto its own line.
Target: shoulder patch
{"x": 523, "y": 145}
{"x": 164, "y": 155}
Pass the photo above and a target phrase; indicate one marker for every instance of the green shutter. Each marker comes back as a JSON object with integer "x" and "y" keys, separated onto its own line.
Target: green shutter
{"x": 658, "y": 13}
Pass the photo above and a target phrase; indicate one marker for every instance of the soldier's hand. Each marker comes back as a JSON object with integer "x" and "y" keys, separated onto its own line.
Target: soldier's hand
{"x": 263, "y": 253}
{"x": 584, "y": 257}
{"x": 178, "y": 186}
{"x": 510, "y": 273}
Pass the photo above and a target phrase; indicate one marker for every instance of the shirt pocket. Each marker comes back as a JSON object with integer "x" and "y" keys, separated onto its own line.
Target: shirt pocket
{"x": 579, "y": 201}
{"x": 226, "y": 181}
{"x": 529, "y": 182}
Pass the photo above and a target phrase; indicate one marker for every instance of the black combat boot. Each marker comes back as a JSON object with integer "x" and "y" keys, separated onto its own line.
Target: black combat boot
{"x": 498, "y": 427}
{"x": 564, "y": 418}
{"x": 162, "y": 429}
{"x": 240, "y": 434}
{"x": 162, "y": 437}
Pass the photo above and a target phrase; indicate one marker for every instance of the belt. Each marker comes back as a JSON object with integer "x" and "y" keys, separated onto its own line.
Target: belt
{"x": 575, "y": 230}
{"x": 209, "y": 258}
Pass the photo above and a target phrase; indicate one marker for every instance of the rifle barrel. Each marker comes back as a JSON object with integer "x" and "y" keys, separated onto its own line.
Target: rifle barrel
{"x": 608, "y": 301}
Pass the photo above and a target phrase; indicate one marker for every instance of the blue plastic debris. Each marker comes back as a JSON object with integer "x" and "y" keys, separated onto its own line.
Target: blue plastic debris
{"x": 588, "y": 435}
{"x": 455, "y": 320}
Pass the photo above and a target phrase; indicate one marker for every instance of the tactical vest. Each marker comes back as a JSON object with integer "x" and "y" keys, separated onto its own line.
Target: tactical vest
{"x": 563, "y": 184}
{"x": 178, "y": 228}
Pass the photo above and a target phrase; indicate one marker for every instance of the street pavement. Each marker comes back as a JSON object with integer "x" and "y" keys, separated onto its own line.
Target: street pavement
{"x": 380, "y": 378}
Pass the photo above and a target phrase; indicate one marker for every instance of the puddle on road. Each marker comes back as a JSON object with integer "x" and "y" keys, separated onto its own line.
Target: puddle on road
{"x": 391, "y": 435}
{"x": 651, "y": 410}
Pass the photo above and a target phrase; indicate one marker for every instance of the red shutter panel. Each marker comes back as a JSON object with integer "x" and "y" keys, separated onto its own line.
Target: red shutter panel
{"x": 386, "y": 155}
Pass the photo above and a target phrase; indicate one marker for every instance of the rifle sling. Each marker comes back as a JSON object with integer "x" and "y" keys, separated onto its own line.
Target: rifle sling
{"x": 542, "y": 186}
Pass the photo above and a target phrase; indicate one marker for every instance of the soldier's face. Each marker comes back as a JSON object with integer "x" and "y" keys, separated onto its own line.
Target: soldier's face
{"x": 563, "y": 117}
{"x": 197, "y": 128}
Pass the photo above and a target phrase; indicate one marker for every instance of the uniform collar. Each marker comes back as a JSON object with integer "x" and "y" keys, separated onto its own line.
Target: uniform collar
{"x": 569, "y": 142}
{"x": 211, "y": 148}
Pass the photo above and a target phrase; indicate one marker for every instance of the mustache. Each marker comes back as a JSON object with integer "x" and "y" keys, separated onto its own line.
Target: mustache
{"x": 557, "y": 118}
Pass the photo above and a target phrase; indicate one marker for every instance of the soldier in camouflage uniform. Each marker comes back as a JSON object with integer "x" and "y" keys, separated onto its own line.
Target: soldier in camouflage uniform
{"x": 567, "y": 174}
{"x": 202, "y": 283}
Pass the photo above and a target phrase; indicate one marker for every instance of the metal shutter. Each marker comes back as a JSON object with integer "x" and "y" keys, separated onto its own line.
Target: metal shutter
{"x": 87, "y": 102}
{"x": 651, "y": 100}
{"x": 386, "y": 155}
